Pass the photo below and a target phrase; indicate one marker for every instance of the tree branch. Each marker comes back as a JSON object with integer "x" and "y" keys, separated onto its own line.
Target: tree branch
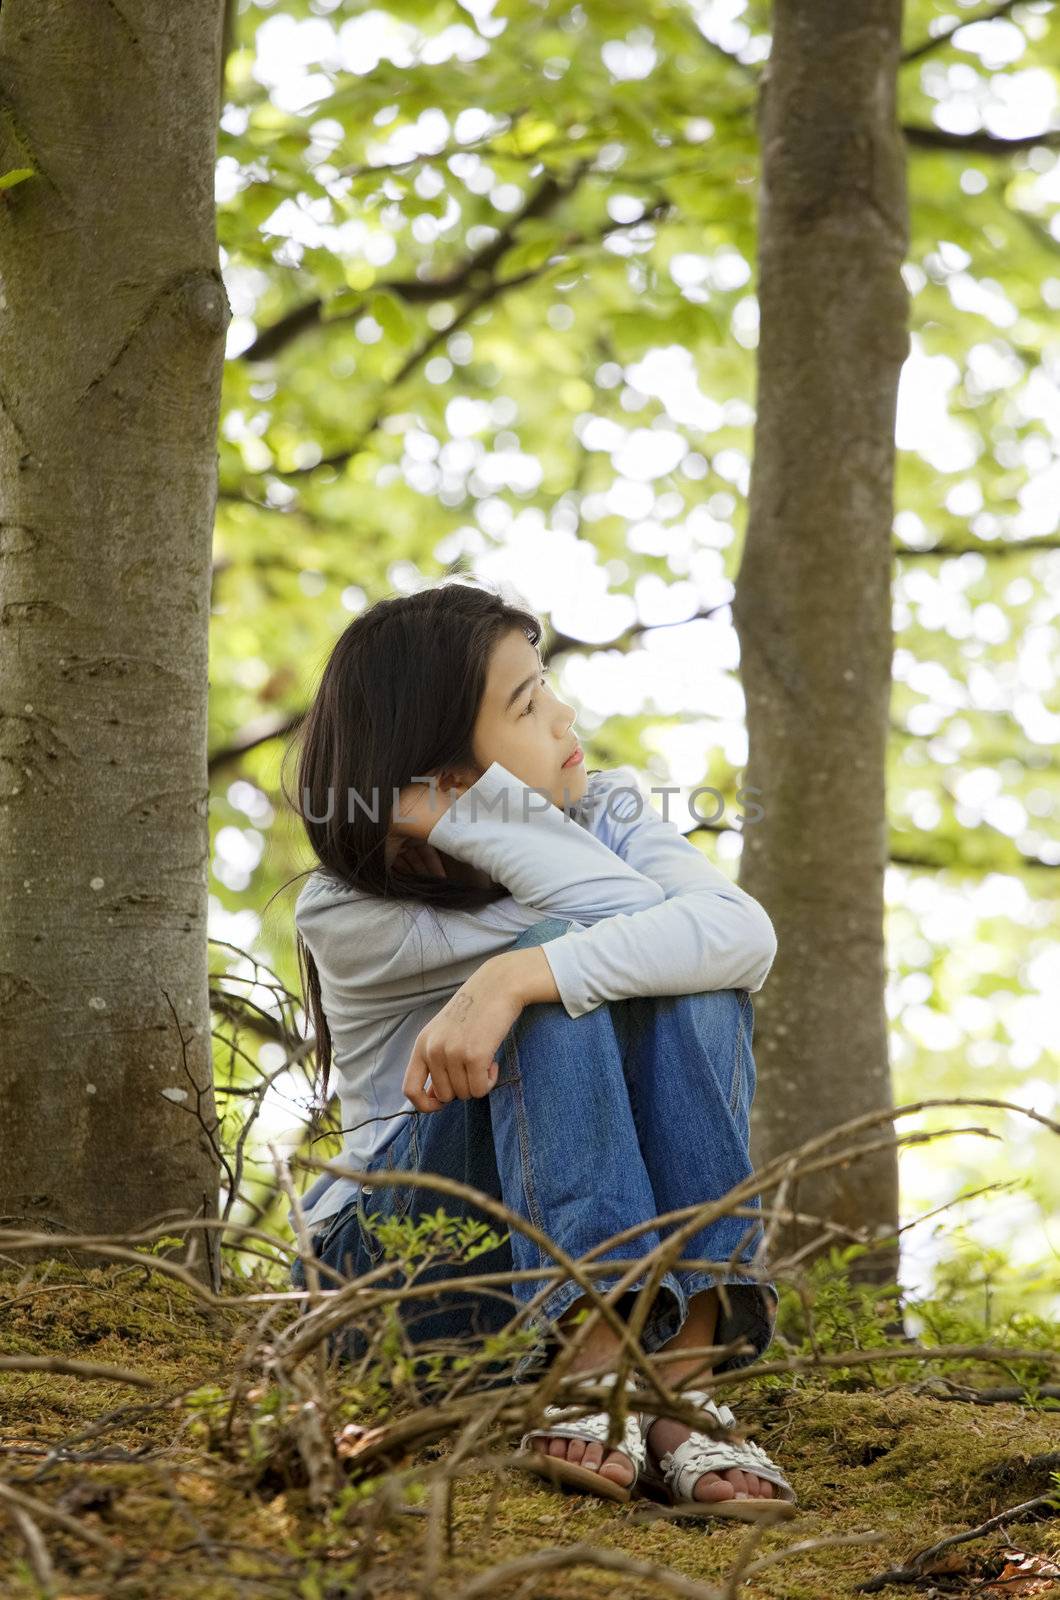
{"x": 979, "y": 143}
{"x": 923, "y": 862}
{"x": 262, "y": 730}
{"x": 914, "y": 1569}
{"x": 918, "y": 861}
{"x": 418, "y": 291}
{"x": 997, "y": 547}
{"x": 489, "y": 291}
{"x": 938, "y": 40}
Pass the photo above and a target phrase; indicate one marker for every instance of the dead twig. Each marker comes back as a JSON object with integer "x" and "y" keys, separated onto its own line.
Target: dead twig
{"x": 75, "y": 1369}
{"x": 16, "y": 1499}
{"x": 913, "y": 1570}
{"x": 36, "y": 1549}
{"x": 944, "y": 1388}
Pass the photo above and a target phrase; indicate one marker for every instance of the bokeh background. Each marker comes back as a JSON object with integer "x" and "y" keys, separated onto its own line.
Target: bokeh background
{"x": 492, "y": 269}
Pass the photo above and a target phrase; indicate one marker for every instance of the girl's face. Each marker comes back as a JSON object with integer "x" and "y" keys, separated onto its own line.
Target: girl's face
{"x": 523, "y": 725}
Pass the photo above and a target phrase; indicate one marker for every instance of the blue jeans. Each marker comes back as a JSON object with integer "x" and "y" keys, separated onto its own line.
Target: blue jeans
{"x": 596, "y": 1123}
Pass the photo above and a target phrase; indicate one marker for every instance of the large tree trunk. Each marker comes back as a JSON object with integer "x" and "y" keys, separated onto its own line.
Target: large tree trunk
{"x": 111, "y": 347}
{"x": 813, "y": 601}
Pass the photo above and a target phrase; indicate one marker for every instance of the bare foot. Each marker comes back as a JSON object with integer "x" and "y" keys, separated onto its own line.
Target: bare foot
{"x": 598, "y": 1349}
{"x": 588, "y": 1453}
{"x": 665, "y": 1433}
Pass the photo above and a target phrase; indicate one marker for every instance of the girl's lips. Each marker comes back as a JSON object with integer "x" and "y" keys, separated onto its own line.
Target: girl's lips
{"x": 572, "y": 761}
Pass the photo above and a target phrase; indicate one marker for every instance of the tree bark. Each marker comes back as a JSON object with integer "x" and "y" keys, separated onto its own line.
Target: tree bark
{"x": 112, "y": 331}
{"x": 813, "y": 595}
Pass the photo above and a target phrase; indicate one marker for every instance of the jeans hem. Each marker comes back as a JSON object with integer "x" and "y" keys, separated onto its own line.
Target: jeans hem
{"x": 665, "y": 1316}
{"x": 751, "y": 1315}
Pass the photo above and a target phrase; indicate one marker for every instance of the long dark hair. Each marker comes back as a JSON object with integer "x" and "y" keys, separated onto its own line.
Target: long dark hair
{"x": 399, "y": 696}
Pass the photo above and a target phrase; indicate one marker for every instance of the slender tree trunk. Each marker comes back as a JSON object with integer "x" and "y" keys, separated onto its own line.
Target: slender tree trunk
{"x": 112, "y": 323}
{"x": 813, "y": 602}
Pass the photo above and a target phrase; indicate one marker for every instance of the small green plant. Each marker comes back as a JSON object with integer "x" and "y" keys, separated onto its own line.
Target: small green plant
{"x": 206, "y": 1407}
{"x": 840, "y": 1314}
{"x": 412, "y": 1245}
{"x": 434, "y": 1236}
{"x": 974, "y": 1302}
{"x": 264, "y": 1413}
{"x": 168, "y": 1241}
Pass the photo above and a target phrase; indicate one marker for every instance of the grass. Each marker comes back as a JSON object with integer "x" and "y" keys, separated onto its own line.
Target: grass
{"x": 235, "y": 1473}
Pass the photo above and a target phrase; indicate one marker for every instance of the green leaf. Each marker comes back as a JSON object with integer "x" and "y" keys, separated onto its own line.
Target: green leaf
{"x": 392, "y": 317}
{"x": 342, "y": 304}
{"x": 16, "y": 175}
{"x": 537, "y": 241}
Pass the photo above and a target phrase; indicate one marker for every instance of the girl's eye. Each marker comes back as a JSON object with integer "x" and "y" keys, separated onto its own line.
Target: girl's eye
{"x": 530, "y": 707}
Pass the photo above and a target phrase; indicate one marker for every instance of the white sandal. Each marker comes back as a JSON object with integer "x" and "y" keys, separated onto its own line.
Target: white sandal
{"x": 559, "y": 1424}
{"x": 680, "y": 1469}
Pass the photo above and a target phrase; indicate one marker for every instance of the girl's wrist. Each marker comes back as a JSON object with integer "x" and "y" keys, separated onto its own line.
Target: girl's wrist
{"x": 526, "y": 974}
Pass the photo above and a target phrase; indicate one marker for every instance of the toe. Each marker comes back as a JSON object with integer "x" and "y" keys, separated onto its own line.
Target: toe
{"x": 711, "y": 1486}
{"x": 618, "y": 1466}
{"x": 753, "y": 1486}
{"x": 587, "y": 1453}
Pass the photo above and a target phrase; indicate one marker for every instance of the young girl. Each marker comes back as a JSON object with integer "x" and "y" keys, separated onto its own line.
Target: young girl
{"x": 531, "y": 982}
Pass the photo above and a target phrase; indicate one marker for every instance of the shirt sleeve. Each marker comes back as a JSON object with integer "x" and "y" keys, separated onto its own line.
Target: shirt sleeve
{"x": 650, "y": 914}
{"x": 546, "y": 859}
{"x": 708, "y": 933}
{"x": 378, "y": 956}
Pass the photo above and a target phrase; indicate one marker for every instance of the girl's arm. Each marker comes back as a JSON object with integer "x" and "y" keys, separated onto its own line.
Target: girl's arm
{"x": 706, "y": 933}
{"x": 378, "y": 958}
{"x": 547, "y": 861}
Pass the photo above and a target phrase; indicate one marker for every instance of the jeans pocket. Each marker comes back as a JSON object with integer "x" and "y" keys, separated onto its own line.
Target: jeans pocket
{"x": 320, "y": 1241}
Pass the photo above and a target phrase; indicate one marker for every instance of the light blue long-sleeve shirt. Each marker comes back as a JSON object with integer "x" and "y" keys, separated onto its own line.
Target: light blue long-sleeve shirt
{"x": 652, "y": 916}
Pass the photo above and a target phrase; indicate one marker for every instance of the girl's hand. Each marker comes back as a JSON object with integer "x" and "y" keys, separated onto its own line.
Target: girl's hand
{"x": 456, "y": 1048}
{"x": 421, "y": 805}
{"x": 412, "y": 856}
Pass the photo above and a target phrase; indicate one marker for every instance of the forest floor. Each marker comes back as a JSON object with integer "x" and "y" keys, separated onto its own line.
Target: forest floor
{"x": 218, "y": 1479}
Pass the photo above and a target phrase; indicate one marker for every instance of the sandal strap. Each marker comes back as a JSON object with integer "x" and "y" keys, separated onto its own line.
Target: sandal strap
{"x": 705, "y": 1402}
{"x": 558, "y": 1422}
{"x": 682, "y": 1467}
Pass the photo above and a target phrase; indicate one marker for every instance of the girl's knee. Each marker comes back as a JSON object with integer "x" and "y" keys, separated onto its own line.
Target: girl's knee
{"x": 541, "y": 932}
{"x": 712, "y": 1014}
{"x": 729, "y": 1004}
{"x": 719, "y": 997}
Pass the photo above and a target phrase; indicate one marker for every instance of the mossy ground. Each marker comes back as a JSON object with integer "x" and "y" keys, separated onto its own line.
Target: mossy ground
{"x": 208, "y": 1516}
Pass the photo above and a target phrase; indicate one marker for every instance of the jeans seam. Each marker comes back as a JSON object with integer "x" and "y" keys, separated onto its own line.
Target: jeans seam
{"x": 413, "y": 1163}
{"x": 737, "y": 1076}
{"x": 368, "y": 1239}
{"x": 372, "y": 1245}
{"x": 525, "y": 1157}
